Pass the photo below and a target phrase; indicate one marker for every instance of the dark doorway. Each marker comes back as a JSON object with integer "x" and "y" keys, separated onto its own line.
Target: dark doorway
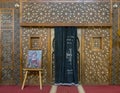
{"x": 66, "y": 69}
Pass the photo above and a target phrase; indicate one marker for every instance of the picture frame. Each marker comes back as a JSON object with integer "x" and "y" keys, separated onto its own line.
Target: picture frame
{"x": 34, "y": 59}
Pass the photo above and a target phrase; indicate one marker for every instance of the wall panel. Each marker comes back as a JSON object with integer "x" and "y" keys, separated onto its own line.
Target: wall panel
{"x": 45, "y": 35}
{"x": 9, "y": 45}
{"x": 86, "y": 13}
{"x": 62, "y": 13}
{"x": 116, "y": 48}
{"x": 96, "y": 60}
{"x": 70, "y": 13}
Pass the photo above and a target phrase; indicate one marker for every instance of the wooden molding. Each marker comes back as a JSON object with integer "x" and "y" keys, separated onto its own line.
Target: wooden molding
{"x": 66, "y": 0}
{"x": 66, "y": 24}
{"x": 115, "y": 0}
{"x": 9, "y": 0}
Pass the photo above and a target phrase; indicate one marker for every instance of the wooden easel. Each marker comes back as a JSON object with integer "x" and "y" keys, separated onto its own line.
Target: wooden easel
{"x": 29, "y": 70}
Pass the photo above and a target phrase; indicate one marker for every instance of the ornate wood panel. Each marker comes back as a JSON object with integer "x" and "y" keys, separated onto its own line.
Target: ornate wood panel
{"x": 62, "y": 13}
{"x": 116, "y": 47}
{"x": 42, "y": 37}
{"x": 96, "y": 60}
{"x": 72, "y": 13}
{"x": 9, "y": 30}
{"x": 7, "y": 45}
{"x": 118, "y": 51}
{"x": 85, "y": 11}
{"x": 9, "y": 0}
{"x": 115, "y": 51}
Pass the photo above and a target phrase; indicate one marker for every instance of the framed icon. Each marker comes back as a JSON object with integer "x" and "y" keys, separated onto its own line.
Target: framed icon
{"x": 34, "y": 59}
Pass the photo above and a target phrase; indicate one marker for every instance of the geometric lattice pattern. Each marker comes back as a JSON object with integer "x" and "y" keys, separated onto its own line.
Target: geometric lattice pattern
{"x": 7, "y": 32}
{"x": 16, "y": 46}
{"x": 10, "y": 49}
{"x": 44, "y": 35}
{"x": 61, "y": 12}
{"x": 116, "y": 48}
{"x": 96, "y": 63}
{"x": 96, "y": 43}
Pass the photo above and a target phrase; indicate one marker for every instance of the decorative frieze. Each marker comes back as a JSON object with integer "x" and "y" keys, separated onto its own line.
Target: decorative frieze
{"x": 62, "y": 12}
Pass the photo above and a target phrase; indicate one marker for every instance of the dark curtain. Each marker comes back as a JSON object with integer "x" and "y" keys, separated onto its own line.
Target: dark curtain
{"x": 66, "y": 70}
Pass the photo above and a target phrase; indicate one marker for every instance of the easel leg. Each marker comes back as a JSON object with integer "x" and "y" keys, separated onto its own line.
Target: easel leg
{"x": 40, "y": 78}
{"x": 24, "y": 80}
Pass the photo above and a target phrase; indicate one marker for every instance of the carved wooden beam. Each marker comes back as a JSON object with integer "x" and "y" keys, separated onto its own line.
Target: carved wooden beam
{"x": 66, "y": 24}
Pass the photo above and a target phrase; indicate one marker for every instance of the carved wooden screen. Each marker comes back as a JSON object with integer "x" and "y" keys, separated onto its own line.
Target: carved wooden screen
{"x": 116, "y": 46}
{"x": 57, "y": 13}
{"x": 37, "y": 38}
{"x": 96, "y": 59}
{"x": 7, "y": 45}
